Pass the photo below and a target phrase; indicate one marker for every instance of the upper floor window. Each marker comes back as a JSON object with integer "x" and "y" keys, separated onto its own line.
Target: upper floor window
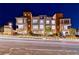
{"x": 47, "y": 21}
{"x": 66, "y": 21}
{"x": 53, "y": 21}
{"x": 19, "y": 20}
{"x": 35, "y": 20}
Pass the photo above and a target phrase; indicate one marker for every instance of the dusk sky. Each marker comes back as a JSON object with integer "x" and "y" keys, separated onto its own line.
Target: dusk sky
{"x": 8, "y": 12}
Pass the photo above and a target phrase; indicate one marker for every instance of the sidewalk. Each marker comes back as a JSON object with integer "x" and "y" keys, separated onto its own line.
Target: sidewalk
{"x": 39, "y": 38}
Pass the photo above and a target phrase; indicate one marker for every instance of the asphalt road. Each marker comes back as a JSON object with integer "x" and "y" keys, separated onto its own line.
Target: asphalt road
{"x": 37, "y": 47}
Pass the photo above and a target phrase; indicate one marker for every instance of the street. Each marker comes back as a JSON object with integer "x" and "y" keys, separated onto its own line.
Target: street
{"x": 37, "y": 47}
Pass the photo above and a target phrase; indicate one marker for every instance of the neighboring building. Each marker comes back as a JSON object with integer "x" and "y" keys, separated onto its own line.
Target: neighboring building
{"x": 57, "y": 17}
{"x": 65, "y": 25}
{"x": 8, "y": 30}
{"x": 21, "y": 23}
{"x": 28, "y": 15}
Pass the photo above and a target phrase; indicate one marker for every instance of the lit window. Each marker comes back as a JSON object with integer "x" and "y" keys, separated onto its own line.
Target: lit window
{"x": 41, "y": 21}
{"x": 53, "y": 27}
{"x": 19, "y": 20}
{"x": 47, "y": 22}
{"x": 35, "y": 27}
{"x": 20, "y": 26}
{"x": 41, "y": 26}
{"x": 65, "y": 27}
{"x": 10, "y": 23}
{"x": 53, "y": 21}
{"x": 35, "y": 21}
{"x": 25, "y": 14}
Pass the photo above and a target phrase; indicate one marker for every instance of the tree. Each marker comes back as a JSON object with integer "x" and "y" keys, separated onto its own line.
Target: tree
{"x": 72, "y": 31}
